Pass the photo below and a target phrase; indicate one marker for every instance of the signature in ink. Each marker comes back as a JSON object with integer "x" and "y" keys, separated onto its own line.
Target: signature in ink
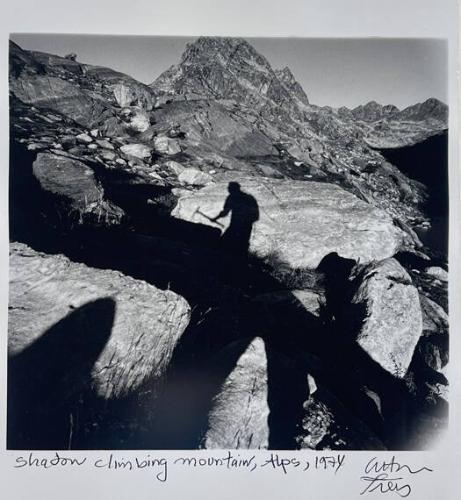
{"x": 381, "y": 476}
{"x": 385, "y": 484}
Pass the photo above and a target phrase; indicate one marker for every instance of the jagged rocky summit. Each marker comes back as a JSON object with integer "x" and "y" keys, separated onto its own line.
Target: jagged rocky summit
{"x": 331, "y": 333}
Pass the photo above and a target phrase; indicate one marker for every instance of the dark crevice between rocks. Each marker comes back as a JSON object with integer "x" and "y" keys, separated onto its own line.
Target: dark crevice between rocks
{"x": 427, "y": 162}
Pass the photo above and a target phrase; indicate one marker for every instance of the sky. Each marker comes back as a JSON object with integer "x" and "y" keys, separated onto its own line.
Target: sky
{"x": 335, "y": 72}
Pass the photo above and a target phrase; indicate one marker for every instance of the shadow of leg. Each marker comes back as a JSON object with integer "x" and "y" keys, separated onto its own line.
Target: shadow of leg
{"x": 287, "y": 391}
{"x": 49, "y": 378}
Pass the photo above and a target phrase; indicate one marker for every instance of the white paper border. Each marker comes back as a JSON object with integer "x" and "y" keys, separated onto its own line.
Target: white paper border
{"x": 314, "y": 18}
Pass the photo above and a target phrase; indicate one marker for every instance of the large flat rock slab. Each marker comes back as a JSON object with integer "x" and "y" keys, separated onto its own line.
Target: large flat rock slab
{"x": 127, "y": 328}
{"x": 300, "y": 222}
{"x": 59, "y": 95}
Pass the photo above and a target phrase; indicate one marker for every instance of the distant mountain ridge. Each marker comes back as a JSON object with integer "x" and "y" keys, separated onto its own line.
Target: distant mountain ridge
{"x": 432, "y": 108}
{"x": 230, "y": 68}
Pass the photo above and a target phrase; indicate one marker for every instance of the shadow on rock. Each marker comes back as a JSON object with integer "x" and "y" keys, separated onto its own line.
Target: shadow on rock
{"x": 235, "y": 297}
{"x": 49, "y": 381}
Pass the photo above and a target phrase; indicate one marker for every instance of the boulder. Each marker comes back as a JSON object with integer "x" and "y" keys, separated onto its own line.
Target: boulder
{"x": 302, "y": 222}
{"x": 74, "y": 182}
{"x": 128, "y": 91}
{"x": 112, "y": 127}
{"x": 328, "y": 424}
{"x": 107, "y": 154}
{"x": 147, "y": 323}
{"x": 67, "y": 178}
{"x": 433, "y": 350}
{"x": 122, "y": 95}
{"x": 392, "y": 320}
{"x": 176, "y": 167}
{"x": 166, "y": 145}
{"x": 194, "y": 177}
{"x": 435, "y": 319}
{"x": 84, "y": 138}
{"x": 433, "y": 345}
{"x": 437, "y": 272}
{"x": 259, "y": 402}
{"x": 104, "y": 143}
{"x": 239, "y": 416}
{"x": 140, "y": 151}
{"x": 68, "y": 141}
{"x": 34, "y": 146}
{"x": 139, "y": 121}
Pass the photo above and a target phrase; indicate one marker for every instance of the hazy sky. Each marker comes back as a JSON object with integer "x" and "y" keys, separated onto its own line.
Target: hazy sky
{"x": 335, "y": 72}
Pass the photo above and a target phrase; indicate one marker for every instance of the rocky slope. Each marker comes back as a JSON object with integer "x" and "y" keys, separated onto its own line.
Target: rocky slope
{"x": 312, "y": 298}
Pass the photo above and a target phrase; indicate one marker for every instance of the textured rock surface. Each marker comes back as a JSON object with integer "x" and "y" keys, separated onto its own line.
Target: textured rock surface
{"x": 138, "y": 150}
{"x": 226, "y": 67}
{"x": 327, "y": 424}
{"x": 126, "y": 90}
{"x": 165, "y": 145}
{"x": 148, "y": 323}
{"x": 68, "y": 178}
{"x": 287, "y": 78}
{"x": 372, "y": 111}
{"x": 302, "y": 222}
{"x": 84, "y": 138}
{"x": 194, "y": 177}
{"x": 139, "y": 121}
{"x": 72, "y": 182}
{"x": 392, "y": 322}
{"x": 239, "y": 417}
{"x": 435, "y": 319}
{"x": 398, "y": 134}
{"x": 59, "y": 95}
{"x": 437, "y": 272}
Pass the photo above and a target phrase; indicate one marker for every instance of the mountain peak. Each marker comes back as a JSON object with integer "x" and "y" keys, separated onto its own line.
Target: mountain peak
{"x": 373, "y": 111}
{"x": 285, "y": 74}
{"x": 430, "y": 108}
{"x": 221, "y": 49}
{"x": 287, "y": 78}
{"x": 433, "y": 101}
{"x": 231, "y": 68}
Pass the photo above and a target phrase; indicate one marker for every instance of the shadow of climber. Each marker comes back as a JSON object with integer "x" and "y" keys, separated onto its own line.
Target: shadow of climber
{"x": 244, "y": 213}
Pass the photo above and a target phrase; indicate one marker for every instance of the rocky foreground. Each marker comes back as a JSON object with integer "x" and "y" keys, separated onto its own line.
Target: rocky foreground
{"x": 138, "y": 319}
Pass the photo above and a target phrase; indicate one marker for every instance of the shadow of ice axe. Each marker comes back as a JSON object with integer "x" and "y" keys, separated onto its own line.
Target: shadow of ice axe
{"x": 198, "y": 211}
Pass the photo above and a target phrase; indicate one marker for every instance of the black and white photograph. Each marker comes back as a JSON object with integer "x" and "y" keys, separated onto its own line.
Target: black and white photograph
{"x": 227, "y": 243}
